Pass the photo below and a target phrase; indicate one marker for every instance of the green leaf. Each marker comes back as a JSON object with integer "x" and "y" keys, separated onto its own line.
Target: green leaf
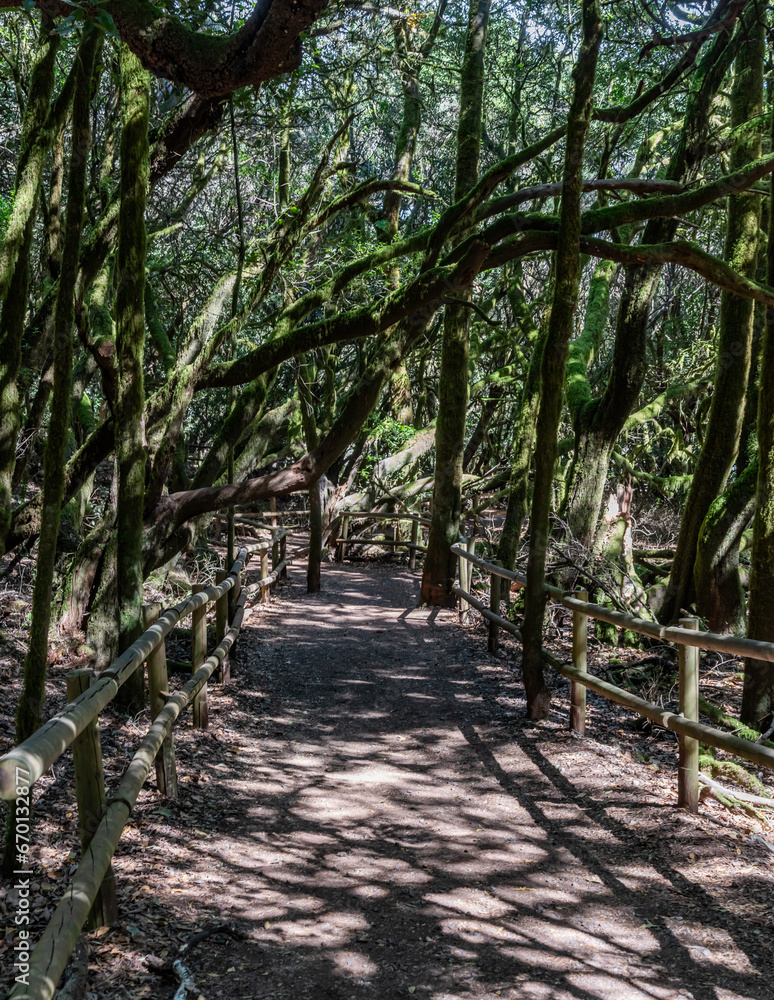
{"x": 106, "y": 22}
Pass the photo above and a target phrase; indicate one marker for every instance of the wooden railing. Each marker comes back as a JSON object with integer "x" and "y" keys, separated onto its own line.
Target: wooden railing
{"x": 90, "y": 895}
{"x": 686, "y": 636}
{"x": 414, "y": 545}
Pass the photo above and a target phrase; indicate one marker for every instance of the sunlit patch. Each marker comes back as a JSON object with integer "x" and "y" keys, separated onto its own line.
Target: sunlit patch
{"x": 370, "y": 892}
{"x": 607, "y": 987}
{"x": 374, "y": 774}
{"x": 471, "y": 902}
{"x": 525, "y": 895}
{"x": 329, "y": 807}
{"x": 466, "y": 954}
{"x": 390, "y": 870}
{"x": 472, "y": 931}
{"x": 354, "y": 963}
{"x": 313, "y": 839}
{"x": 709, "y": 945}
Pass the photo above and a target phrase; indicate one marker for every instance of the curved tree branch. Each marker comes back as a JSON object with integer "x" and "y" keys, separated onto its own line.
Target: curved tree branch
{"x": 267, "y": 45}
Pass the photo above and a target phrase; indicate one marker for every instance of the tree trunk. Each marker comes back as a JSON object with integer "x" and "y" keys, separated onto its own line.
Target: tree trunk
{"x": 14, "y": 255}
{"x": 488, "y": 410}
{"x": 758, "y": 692}
{"x": 315, "y": 539}
{"x": 521, "y": 450}
{"x": 567, "y": 270}
{"x": 307, "y": 374}
{"x": 588, "y": 472}
{"x": 30, "y": 706}
{"x": 719, "y": 590}
{"x": 410, "y": 63}
{"x": 28, "y": 716}
{"x": 600, "y": 421}
{"x": 721, "y": 441}
{"x": 439, "y": 567}
{"x": 130, "y": 346}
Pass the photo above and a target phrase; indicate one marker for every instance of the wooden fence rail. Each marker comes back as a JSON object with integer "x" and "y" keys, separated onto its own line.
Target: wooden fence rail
{"x": 102, "y": 817}
{"x": 688, "y": 640}
{"x": 413, "y": 546}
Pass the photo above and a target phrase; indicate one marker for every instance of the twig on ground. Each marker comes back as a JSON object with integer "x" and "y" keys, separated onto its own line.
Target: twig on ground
{"x": 169, "y": 966}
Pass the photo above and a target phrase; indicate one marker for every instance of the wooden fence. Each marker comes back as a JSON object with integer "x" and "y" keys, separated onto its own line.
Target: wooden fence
{"x": 90, "y": 895}
{"x": 413, "y": 545}
{"x": 686, "y": 636}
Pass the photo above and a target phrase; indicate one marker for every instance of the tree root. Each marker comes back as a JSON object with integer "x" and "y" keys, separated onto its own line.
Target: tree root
{"x": 734, "y": 772}
{"x": 733, "y": 799}
{"x": 714, "y": 786}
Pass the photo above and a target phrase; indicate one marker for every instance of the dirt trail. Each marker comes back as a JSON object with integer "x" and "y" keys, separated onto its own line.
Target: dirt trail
{"x": 399, "y": 829}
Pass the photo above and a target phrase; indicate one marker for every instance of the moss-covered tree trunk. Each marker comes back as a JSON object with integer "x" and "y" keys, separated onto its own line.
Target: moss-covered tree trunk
{"x": 286, "y": 128}
{"x": 307, "y": 375}
{"x": 410, "y": 61}
{"x": 438, "y": 573}
{"x": 567, "y": 271}
{"x": 758, "y": 692}
{"x": 600, "y": 421}
{"x": 719, "y": 590}
{"x": 405, "y": 147}
{"x": 588, "y": 471}
{"x": 724, "y": 427}
{"x": 489, "y": 407}
{"x": 521, "y": 452}
{"x": 130, "y": 347}
{"x": 14, "y": 255}
{"x": 39, "y": 348}
{"x": 30, "y": 706}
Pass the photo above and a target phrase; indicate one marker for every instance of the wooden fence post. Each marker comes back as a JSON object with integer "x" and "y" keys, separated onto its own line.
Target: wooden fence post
{"x": 274, "y": 552}
{"x": 198, "y": 655}
{"x": 344, "y": 536}
{"x": 283, "y": 556}
{"x": 234, "y": 593}
{"x": 413, "y": 549}
{"x": 580, "y": 629}
{"x": 90, "y": 795}
{"x": 158, "y": 688}
{"x": 471, "y": 547}
{"x": 493, "y": 644}
{"x": 462, "y": 571}
{"x": 688, "y": 773}
{"x": 221, "y": 627}
{"x": 264, "y": 574}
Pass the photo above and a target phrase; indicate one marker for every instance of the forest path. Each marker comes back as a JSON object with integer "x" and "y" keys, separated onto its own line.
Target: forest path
{"x": 400, "y": 829}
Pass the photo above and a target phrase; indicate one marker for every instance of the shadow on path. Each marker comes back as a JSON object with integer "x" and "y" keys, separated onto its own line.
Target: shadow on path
{"x": 398, "y": 830}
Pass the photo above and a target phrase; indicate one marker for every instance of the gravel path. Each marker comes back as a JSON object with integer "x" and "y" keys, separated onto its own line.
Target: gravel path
{"x": 394, "y": 827}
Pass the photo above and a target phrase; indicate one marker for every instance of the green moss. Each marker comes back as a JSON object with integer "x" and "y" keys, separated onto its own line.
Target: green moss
{"x": 581, "y": 351}
{"x": 740, "y": 730}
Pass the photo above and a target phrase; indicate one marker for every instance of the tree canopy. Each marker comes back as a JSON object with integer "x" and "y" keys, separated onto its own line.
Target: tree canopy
{"x": 440, "y": 248}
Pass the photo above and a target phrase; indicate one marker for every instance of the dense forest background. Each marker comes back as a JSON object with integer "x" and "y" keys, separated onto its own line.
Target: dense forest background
{"x": 380, "y": 255}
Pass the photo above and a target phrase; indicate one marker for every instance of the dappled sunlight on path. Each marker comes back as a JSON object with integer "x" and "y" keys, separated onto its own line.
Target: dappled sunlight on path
{"x": 399, "y": 831}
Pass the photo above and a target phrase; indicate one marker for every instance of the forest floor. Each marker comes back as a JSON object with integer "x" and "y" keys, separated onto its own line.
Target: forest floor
{"x": 374, "y": 816}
